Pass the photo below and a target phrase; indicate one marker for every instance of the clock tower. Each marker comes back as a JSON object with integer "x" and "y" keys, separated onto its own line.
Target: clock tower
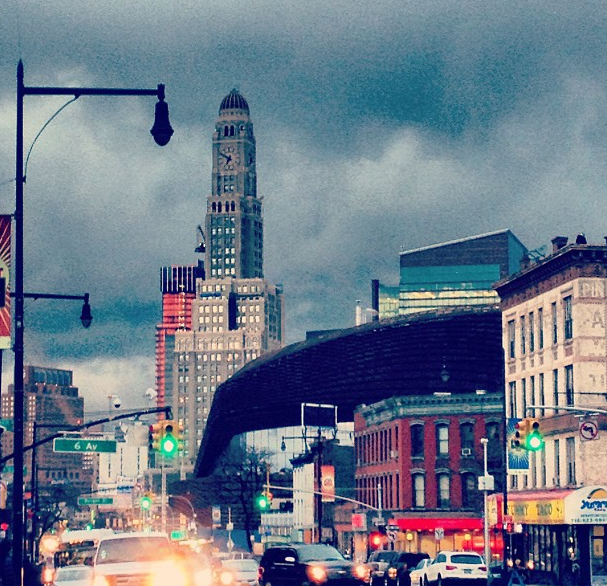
{"x": 234, "y": 225}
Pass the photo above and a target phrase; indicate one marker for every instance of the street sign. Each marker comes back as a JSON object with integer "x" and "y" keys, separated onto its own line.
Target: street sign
{"x": 7, "y": 424}
{"x": 439, "y": 533}
{"x": 391, "y": 535}
{"x": 106, "y": 500}
{"x": 589, "y": 430}
{"x": 65, "y": 445}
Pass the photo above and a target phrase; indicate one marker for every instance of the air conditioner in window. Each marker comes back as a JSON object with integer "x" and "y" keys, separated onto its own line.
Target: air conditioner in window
{"x": 466, "y": 451}
{"x": 394, "y": 454}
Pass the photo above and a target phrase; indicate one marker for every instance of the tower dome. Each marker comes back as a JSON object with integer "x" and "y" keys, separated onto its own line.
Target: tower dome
{"x": 234, "y": 101}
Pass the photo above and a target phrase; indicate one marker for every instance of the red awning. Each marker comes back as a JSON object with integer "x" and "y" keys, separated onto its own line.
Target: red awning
{"x": 432, "y": 523}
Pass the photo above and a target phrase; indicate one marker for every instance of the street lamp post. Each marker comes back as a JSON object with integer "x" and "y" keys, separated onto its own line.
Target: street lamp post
{"x": 162, "y": 132}
{"x": 486, "y": 485}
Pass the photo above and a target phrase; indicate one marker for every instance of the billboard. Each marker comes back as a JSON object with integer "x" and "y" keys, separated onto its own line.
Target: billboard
{"x": 5, "y": 293}
{"x": 518, "y": 457}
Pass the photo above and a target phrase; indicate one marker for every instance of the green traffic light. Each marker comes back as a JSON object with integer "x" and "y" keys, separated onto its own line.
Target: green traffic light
{"x": 146, "y": 503}
{"x": 263, "y": 502}
{"x": 535, "y": 442}
{"x": 168, "y": 447}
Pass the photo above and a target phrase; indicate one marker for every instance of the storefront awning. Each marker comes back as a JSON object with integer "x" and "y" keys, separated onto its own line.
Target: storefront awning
{"x": 432, "y": 523}
{"x": 582, "y": 506}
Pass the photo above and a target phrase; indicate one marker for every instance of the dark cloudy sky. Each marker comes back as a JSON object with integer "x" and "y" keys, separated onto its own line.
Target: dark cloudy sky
{"x": 381, "y": 126}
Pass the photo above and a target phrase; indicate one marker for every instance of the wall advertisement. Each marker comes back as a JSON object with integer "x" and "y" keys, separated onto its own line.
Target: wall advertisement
{"x": 5, "y": 293}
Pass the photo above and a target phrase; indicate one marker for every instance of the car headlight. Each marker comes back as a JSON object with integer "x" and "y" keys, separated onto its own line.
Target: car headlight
{"x": 316, "y": 574}
{"x": 361, "y": 572}
{"x": 168, "y": 573}
{"x": 392, "y": 573}
{"x": 203, "y": 577}
{"x": 100, "y": 580}
{"x": 226, "y": 578}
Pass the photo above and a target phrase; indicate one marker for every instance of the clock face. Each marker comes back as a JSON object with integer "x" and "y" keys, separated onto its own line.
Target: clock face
{"x": 228, "y": 158}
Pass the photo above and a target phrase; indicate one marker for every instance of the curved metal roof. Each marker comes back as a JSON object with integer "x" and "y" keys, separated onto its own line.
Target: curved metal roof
{"x": 234, "y": 101}
{"x": 360, "y": 365}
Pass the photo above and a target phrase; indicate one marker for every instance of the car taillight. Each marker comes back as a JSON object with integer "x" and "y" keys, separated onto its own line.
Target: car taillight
{"x": 482, "y": 568}
{"x": 48, "y": 576}
{"x": 259, "y": 573}
{"x": 450, "y": 567}
{"x": 316, "y": 574}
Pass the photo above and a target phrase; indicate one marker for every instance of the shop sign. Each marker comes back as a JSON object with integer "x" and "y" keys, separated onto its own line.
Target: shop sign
{"x": 587, "y": 506}
{"x": 327, "y": 479}
{"x": 537, "y": 512}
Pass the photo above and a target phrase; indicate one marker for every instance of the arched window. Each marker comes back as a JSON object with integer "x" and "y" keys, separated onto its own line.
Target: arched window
{"x": 466, "y": 433}
{"x": 442, "y": 440}
{"x": 214, "y": 207}
{"x": 418, "y": 492}
{"x": 219, "y": 207}
{"x": 231, "y": 130}
{"x": 444, "y": 491}
{"x": 226, "y": 131}
{"x": 469, "y": 492}
{"x": 233, "y": 207}
{"x": 417, "y": 441}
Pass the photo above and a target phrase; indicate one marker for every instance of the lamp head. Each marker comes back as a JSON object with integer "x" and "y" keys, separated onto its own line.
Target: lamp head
{"x": 161, "y": 130}
{"x": 86, "y": 317}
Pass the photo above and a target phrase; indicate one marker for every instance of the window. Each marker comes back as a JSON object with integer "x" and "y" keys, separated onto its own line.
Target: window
{"x": 512, "y": 397}
{"x": 419, "y": 490}
{"x": 524, "y": 396}
{"x": 555, "y": 325}
{"x": 417, "y": 441}
{"x": 543, "y": 468}
{"x": 443, "y": 490}
{"x": 568, "y": 319}
{"x": 542, "y": 393}
{"x": 466, "y": 433}
{"x": 555, "y": 388}
{"x": 531, "y": 332}
{"x": 511, "y": 339}
{"x": 540, "y": 328}
{"x": 532, "y": 390}
{"x": 469, "y": 493}
{"x": 570, "y": 449}
{"x": 523, "y": 335}
{"x": 569, "y": 393}
{"x": 442, "y": 440}
{"x": 557, "y": 463}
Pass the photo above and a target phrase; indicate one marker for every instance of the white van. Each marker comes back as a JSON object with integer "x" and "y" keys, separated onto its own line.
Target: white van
{"x": 137, "y": 559}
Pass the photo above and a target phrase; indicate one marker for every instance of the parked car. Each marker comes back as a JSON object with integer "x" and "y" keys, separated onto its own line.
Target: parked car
{"x": 299, "y": 564}
{"x": 399, "y": 570}
{"x": 378, "y": 562}
{"x": 450, "y": 567}
{"x": 418, "y": 573}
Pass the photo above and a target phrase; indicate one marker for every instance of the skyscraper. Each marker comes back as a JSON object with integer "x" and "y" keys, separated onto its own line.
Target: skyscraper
{"x": 235, "y": 315}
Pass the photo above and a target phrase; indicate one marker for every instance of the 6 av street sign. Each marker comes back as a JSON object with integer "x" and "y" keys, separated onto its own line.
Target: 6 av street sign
{"x": 63, "y": 444}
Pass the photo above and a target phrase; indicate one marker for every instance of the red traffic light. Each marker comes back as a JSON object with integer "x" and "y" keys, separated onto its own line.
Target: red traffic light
{"x": 376, "y": 540}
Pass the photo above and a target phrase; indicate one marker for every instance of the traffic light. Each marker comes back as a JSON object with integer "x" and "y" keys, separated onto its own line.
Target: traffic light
{"x": 179, "y": 436}
{"x": 263, "y": 501}
{"x": 145, "y": 502}
{"x": 535, "y": 440}
{"x": 154, "y": 435}
{"x": 376, "y": 540}
{"x": 521, "y": 429}
{"x": 168, "y": 441}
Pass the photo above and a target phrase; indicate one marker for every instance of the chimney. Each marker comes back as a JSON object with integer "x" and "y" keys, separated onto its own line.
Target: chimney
{"x": 559, "y": 242}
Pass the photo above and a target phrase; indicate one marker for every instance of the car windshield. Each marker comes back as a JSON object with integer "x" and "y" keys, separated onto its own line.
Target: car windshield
{"x": 132, "y": 549}
{"x": 421, "y": 564}
{"x": 241, "y": 565}
{"x": 69, "y": 574}
{"x": 385, "y": 556}
{"x": 309, "y": 553}
{"x": 466, "y": 558}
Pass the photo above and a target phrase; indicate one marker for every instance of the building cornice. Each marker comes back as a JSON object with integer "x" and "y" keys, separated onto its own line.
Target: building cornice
{"x": 395, "y": 408}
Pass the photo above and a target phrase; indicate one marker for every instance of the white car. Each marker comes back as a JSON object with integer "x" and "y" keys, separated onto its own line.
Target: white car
{"x": 418, "y": 573}
{"x": 243, "y": 572}
{"x": 450, "y": 567}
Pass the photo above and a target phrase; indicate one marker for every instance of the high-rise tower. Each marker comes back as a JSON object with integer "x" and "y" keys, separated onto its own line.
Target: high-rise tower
{"x": 236, "y": 315}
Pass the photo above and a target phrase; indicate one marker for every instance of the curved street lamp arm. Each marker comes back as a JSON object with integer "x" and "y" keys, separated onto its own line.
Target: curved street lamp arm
{"x": 73, "y": 428}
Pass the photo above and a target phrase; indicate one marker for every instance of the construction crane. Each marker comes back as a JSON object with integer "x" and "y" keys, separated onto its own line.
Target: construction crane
{"x": 201, "y": 240}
